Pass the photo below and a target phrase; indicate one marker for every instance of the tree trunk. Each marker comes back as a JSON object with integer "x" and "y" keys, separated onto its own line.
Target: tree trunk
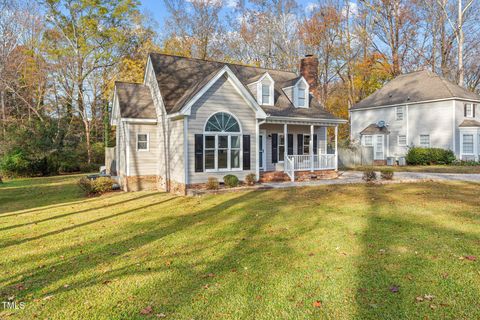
{"x": 461, "y": 72}
{"x": 4, "y": 115}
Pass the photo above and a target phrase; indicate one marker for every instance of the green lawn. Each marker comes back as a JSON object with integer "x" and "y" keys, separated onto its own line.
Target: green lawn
{"x": 431, "y": 169}
{"x": 337, "y": 252}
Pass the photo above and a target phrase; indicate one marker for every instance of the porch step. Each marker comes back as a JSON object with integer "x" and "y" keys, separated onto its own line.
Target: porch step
{"x": 274, "y": 176}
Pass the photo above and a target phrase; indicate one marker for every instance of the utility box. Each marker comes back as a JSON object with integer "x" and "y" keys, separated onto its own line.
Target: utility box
{"x": 390, "y": 161}
{"x": 402, "y": 161}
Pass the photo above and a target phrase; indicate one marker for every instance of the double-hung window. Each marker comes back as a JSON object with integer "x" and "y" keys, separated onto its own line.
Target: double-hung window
{"x": 281, "y": 147}
{"x": 142, "y": 142}
{"x": 469, "y": 110}
{"x": 467, "y": 145}
{"x": 265, "y": 93}
{"x": 425, "y": 140}
{"x": 399, "y": 113}
{"x": 368, "y": 141}
{"x": 301, "y": 97}
{"x": 222, "y": 143}
{"x": 402, "y": 140}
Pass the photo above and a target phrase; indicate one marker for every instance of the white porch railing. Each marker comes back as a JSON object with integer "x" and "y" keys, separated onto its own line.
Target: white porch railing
{"x": 308, "y": 162}
{"x": 290, "y": 168}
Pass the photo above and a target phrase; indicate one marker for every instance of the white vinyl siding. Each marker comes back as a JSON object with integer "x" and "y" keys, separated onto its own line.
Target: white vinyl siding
{"x": 221, "y": 97}
{"x": 142, "y": 162}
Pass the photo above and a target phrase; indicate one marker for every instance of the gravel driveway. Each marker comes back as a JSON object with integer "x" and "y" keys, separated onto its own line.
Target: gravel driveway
{"x": 347, "y": 177}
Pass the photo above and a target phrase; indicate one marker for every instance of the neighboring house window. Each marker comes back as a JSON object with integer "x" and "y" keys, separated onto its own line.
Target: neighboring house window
{"x": 469, "y": 110}
{"x": 368, "y": 141}
{"x": 399, "y": 113}
{"x": 402, "y": 140}
{"x": 468, "y": 143}
{"x": 425, "y": 140}
{"x": 222, "y": 143}
{"x": 306, "y": 144}
{"x": 142, "y": 142}
{"x": 281, "y": 147}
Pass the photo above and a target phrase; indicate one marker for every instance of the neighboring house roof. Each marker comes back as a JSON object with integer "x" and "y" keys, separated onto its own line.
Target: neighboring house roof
{"x": 470, "y": 123}
{"x": 415, "y": 87}
{"x": 135, "y": 101}
{"x": 180, "y": 78}
{"x": 374, "y": 129}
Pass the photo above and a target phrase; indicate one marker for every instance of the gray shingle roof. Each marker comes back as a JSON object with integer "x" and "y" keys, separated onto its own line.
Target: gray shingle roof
{"x": 415, "y": 87}
{"x": 135, "y": 101}
{"x": 180, "y": 78}
{"x": 470, "y": 123}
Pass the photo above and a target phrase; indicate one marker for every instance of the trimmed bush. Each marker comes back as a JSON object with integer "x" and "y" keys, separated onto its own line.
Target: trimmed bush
{"x": 251, "y": 179}
{"x": 86, "y": 185}
{"x": 386, "y": 174}
{"x": 102, "y": 185}
{"x": 98, "y": 186}
{"x": 429, "y": 156}
{"x": 212, "y": 183}
{"x": 231, "y": 181}
{"x": 369, "y": 175}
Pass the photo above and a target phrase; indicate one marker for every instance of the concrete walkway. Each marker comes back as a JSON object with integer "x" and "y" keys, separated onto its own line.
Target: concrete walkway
{"x": 348, "y": 177}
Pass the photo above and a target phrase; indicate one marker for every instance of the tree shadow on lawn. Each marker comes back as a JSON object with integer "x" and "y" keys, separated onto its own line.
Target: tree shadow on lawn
{"x": 241, "y": 236}
{"x": 63, "y": 215}
{"x": 32, "y": 193}
{"x": 406, "y": 256}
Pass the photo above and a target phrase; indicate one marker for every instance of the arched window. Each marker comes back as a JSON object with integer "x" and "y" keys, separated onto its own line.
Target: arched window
{"x": 223, "y": 143}
{"x": 222, "y": 122}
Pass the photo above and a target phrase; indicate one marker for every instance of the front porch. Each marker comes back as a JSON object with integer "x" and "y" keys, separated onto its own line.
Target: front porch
{"x": 291, "y": 149}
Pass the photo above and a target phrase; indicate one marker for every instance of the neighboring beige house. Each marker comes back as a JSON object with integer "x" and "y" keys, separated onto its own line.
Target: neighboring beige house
{"x": 418, "y": 109}
{"x": 192, "y": 119}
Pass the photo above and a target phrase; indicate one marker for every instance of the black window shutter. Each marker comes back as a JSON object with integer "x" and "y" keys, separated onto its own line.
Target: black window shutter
{"x": 465, "y": 110}
{"x": 315, "y": 144}
{"x": 290, "y": 144}
{"x": 274, "y": 148}
{"x": 300, "y": 144}
{"x": 246, "y": 152}
{"x": 199, "y": 153}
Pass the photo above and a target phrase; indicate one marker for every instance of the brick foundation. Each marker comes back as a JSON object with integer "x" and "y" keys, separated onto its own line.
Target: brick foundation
{"x": 138, "y": 183}
{"x": 177, "y": 187}
{"x": 280, "y": 176}
{"x": 315, "y": 175}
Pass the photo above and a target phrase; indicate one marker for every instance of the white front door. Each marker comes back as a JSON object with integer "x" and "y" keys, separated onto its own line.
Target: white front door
{"x": 378, "y": 147}
{"x": 261, "y": 152}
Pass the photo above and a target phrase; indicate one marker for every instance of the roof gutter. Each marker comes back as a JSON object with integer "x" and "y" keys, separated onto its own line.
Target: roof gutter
{"x": 412, "y": 103}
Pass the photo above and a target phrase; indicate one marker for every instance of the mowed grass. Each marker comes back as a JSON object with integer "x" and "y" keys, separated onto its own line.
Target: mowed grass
{"x": 331, "y": 252}
{"x": 429, "y": 169}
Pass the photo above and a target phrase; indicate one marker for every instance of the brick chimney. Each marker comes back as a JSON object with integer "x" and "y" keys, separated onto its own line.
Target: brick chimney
{"x": 309, "y": 70}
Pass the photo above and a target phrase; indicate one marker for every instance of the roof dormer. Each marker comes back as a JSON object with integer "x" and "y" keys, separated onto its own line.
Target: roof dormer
{"x": 264, "y": 88}
{"x": 300, "y": 93}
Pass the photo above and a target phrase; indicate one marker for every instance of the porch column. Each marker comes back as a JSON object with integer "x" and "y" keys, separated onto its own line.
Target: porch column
{"x": 336, "y": 147}
{"x": 257, "y": 149}
{"x": 310, "y": 147}
{"x": 285, "y": 143}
